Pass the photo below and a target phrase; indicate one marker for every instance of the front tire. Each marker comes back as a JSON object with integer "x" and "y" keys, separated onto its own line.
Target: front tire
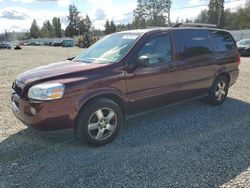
{"x": 99, "y": 122}
{"x": 219, "y": 90}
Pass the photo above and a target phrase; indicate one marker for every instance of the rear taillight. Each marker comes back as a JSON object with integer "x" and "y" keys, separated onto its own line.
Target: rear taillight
{"x": 238, "y": 59}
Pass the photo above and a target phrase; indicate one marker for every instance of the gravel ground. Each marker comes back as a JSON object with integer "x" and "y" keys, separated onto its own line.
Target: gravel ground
{"x": 190, "y": 145}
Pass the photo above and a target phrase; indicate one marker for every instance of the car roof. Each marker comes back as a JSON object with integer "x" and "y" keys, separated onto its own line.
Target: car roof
{"x": 162, "y": 29}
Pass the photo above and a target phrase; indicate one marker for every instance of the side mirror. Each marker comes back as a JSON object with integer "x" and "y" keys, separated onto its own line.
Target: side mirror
{"x": 143, "y": 61}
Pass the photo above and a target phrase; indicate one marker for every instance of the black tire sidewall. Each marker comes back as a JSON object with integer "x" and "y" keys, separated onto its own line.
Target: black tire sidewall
{"x": 81, "y": 128}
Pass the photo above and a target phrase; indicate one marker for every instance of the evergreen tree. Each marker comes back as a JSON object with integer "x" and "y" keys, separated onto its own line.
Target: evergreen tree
{"x": 242, "y": 18}
{"x": 34, "y": 29}
{"x": 216, "y": 12}
{"x": 88, "y": 23}
{"x": 112, "y": 27}
{"x": 44, "y": 33}
{"x": 6, "y": 36}
{"x": 74, "y": 20}
{"x": 107, "y": 28}
{"x": 139, "y": 21}
{"x": 151, "y": 13}
{"x": 56, "y": 25}
{"x": 49, "y": 28}
{"x": 202, "y": 17}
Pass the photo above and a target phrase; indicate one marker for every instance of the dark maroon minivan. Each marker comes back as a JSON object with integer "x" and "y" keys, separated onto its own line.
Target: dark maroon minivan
{"x": 125, "y": 74}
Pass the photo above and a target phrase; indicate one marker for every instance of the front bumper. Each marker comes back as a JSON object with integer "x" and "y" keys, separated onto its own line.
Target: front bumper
{"x": 45, "y": 115}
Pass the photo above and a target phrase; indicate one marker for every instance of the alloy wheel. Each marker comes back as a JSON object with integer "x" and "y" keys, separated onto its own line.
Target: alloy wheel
{"x": 102, "y": 124}
{"x": 220, "y": 91}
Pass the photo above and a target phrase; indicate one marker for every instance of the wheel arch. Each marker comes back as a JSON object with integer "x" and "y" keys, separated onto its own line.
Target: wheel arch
{"x": 111, "y": 95}
{"x": 226, "y": 75}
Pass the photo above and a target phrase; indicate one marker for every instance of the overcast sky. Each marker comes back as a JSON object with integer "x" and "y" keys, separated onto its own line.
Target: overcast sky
{"x": 17, "y": 15}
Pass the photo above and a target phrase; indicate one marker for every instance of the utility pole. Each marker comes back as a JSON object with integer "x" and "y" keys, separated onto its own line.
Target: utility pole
{"x": 219, "y": 17}
{"x": 169, "y": 24}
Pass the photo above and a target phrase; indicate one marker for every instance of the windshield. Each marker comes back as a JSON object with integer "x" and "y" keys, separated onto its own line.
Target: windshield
{"x": 244, "y": 42}
{"x": 110, "y": 49}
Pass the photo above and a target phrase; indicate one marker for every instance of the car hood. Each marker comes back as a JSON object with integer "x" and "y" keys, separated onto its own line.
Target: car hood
{"x": 55, "y": 71}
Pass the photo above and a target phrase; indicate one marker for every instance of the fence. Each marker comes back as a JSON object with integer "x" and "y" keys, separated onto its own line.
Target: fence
{"x": 240, "y": 34}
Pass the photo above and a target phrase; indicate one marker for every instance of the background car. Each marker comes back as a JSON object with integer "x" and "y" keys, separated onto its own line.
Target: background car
{"x": 244, "y": 47}
{"x": 5, "y": 46}
{"x": 57, "y": 43}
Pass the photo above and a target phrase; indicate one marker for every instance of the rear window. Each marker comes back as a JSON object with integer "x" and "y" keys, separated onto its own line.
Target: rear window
{"x": 223, "y": 40}
{"x": 192, "y": 42}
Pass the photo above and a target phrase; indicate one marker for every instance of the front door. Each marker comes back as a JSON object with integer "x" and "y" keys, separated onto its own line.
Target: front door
{"x": 154, "y": 85}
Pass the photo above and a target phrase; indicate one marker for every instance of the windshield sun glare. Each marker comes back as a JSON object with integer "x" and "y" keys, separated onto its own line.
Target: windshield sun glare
{"x": 110, "y": 49}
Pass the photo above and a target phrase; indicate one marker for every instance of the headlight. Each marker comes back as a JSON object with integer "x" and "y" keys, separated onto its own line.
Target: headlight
{"x": 46, "y": 91}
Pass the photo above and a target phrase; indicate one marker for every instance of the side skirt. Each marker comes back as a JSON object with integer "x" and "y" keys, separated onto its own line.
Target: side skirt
{"x": 128, "y": 117}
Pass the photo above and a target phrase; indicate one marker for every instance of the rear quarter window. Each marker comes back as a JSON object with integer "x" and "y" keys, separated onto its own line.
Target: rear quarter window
{"x": 223, "y": 41}
{"x": 192, "y": 43}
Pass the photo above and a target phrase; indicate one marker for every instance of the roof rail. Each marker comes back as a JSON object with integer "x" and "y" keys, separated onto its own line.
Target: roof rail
{"x": 195, "y": 25}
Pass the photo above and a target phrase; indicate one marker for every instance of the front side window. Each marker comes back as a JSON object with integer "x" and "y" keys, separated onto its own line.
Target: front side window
{"x": 110, "y": 49}
{"x": 158, "y": 50}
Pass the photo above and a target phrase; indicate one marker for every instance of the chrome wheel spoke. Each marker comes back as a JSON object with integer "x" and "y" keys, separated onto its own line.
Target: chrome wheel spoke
{"x": 223, "y": 92}
{"x": 100, "y": 134}
{"x": 223, "y": 86}
{"x": 110, "y": 127}
{"x": 110, "y": 116}
{"x": 219, "y": 96}
{"x": 99, "y": 114}
{"x": 93, "y": 126}
{"x": 217, "y": 93}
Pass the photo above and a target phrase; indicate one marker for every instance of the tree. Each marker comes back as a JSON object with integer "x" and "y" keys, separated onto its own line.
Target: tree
{"x": 44, "y": 33}
{"x": 112, "y": 27}
{"x": 107, "y": 28}
{"x": 139, "y": 21}
{"x": 124, "y": 27}
{"x": 56, "y": 25}
{"x": 231, "y": 22}
{"x": 152, "y": 12}
{"x": 34, "y": 29}
{"x": 188, "y": 21}
{"x": 216, "y": 12}
{"x": 49, "y": 28}
{"x": 73, "y": 27}
{"x": 202, "y": 17}
{"x": 242, "y": 17}
{"x": 85, "y": 25}
{"x": 88, "y": 23}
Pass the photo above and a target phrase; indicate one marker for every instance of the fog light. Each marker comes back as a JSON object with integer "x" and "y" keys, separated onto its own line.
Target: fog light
{"x": 33, "y": 110}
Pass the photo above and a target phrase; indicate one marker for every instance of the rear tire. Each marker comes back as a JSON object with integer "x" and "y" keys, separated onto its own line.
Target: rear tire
{"x": 99, "y": 122}
{"x": 219, "y": 90}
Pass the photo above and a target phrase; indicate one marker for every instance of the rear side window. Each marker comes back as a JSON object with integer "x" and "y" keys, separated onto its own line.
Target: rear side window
{"x": 223, "y": 40}
{"x": 192, "y": 43}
